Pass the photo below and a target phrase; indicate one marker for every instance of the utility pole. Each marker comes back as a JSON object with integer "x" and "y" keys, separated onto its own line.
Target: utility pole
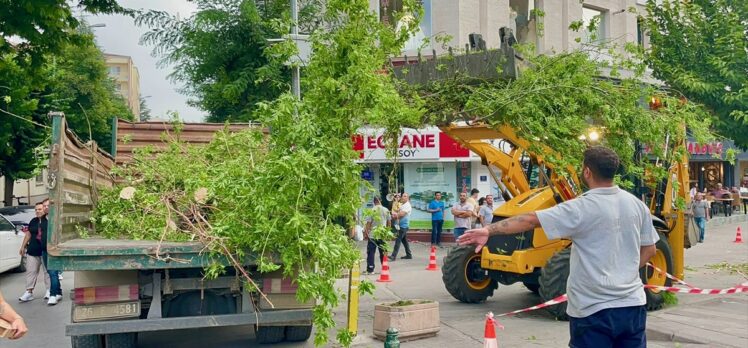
{"x": 295, "y": 70}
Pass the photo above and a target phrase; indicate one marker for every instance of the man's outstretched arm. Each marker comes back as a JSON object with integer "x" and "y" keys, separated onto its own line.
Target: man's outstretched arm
{"x": 516, "y": 224}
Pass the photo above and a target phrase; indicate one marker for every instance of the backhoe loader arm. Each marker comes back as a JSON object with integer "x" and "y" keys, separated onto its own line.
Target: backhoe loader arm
{"x": 513, "y": 177}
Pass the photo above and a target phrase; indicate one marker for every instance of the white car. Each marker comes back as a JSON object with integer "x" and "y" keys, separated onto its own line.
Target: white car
{"x": 11, "y": 238}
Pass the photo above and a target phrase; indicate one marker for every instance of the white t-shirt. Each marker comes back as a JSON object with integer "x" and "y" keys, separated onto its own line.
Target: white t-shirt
{"x": 607, "y": 226}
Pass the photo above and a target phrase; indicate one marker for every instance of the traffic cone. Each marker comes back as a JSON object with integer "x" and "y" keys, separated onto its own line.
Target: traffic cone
{"x": 384, "y": 277}
{"x": 489, "y": 335}
{"x": 739, "y": 235}
{"x": 432, "y": 260}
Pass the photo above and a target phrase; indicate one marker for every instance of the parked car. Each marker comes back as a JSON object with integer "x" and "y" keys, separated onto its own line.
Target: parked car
{"x": 11, "y": 239}
{"x": 19, "y": 215}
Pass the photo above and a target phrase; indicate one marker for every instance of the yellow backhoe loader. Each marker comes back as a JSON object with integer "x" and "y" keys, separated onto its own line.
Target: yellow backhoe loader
{"x": 542, "y": 264}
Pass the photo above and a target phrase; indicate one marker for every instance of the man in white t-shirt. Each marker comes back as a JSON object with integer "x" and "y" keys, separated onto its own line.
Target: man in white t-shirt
{"x": 403, "y": 214}
{"x": 613, "y": 238}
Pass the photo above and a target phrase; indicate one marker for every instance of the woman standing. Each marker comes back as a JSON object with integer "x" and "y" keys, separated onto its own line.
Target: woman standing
{"x": 33, "y": 247}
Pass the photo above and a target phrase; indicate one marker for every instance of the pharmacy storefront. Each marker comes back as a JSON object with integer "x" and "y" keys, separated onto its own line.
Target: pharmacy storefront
{"x": 428, "y": 161}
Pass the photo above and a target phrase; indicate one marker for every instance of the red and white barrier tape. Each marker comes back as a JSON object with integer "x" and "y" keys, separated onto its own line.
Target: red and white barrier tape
{"x": 668, "y": 275}
{"x": 557, "y": 300}
{"x": 563, "y": 298}
{"x": 733, "y": 290}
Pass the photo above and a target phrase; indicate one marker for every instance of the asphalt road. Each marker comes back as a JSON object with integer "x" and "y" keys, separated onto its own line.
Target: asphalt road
{"x": 461, "y": 324}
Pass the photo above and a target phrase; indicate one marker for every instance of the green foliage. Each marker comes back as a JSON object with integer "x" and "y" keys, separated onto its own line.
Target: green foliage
{"x": 699, "y": 48}
{"x": 670, "y": 298}
{"x": 73, "y": 81}
{"x": 228, "y": 79}
{"x": 287, "y": 198}
{"x": 558, "y": 99}
{"x": 45, "y": 26}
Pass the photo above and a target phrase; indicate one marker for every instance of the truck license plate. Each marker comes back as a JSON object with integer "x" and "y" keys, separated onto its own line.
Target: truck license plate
{"x": 106, "y": 311}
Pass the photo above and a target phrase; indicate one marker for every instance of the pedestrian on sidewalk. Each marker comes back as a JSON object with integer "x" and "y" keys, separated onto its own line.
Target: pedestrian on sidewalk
{"x": 381, "y": 217}
{"x": 612, "y": 238}
{"x": 17, "y": 325}
{"x": 436, "y": 208}
{"x": 463, "y": 213}
{"x": 485, "y": 214}
{"x": 700, "y": 211}
{"x": 32, "y": 248}
{"x": 473, "y": 201}
{"x": 403, "y": 217}
{"x": 55, "y": 289}
{"x": 45, "y": 202}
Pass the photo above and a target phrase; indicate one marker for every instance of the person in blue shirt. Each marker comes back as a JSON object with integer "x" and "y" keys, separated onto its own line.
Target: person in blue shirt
{"x": 436, "y": 208}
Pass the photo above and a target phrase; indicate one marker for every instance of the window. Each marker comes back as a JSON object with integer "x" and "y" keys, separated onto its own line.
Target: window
{"x": 387, "y": 11}
{"x": 114, "y": 71}
{"x": 594, "y": 23}
{"x": 640, "y": 31}
{"x": 40, "y": 179}
{"x": 5, "y": 225}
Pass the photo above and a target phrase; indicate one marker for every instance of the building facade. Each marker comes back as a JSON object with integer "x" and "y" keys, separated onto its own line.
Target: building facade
{"x": 127, "y": 80}
{"x": 428, "y": 161}
{"x": 27, "y": 191}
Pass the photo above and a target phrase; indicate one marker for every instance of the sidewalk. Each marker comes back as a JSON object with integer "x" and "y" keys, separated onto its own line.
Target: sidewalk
{"x": 708, "y": 320}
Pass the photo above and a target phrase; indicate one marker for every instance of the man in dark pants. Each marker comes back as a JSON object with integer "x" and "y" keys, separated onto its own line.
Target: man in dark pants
{"x": 55, "y": 289}
{"x": 436, "y": 208}
{"x": 402, "y": 234}
{"x": 613, "y": 238}
{"x": 381, "y": 217}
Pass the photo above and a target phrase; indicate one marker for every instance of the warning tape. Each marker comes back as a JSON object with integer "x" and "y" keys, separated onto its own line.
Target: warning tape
{"x": 733, "y": 290}
{"x": 563, "y": 298}
{"x": 555, "y": 301}
{"x": 669, "y": 276}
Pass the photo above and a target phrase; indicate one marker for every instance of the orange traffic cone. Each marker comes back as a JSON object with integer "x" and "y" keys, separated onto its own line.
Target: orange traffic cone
{"x": 489, "y": 336}
{"x": 384, "y": 277}
{"x": 432, "y": 260}
{"x": 739, "y": 235}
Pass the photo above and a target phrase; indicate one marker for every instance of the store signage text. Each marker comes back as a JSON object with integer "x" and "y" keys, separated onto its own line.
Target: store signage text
{"x": 409, "y": 143}
{"x": 705, "y": 149}
{"x": 413, "y": 144}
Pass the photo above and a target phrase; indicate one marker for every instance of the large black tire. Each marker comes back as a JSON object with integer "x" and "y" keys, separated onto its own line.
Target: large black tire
{"x": 121, "y": 340}
{"x": 463, "y": 277}
{"x": 21, "y": 267}
{"x": 663, "y": 260}
{"x": 91, "y": 341}
{"x": 552, "y": 281}
{"x": 535, "y": 288}
{"x": 298, "y": 333}
{"x": 270, "y": 334}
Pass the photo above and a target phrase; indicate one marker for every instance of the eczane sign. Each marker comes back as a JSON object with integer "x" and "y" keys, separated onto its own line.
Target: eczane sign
{"x": 413, "y": 145}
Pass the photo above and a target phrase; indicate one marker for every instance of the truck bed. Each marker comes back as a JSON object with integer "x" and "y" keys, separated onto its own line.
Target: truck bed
{"x": 78, "y": 171}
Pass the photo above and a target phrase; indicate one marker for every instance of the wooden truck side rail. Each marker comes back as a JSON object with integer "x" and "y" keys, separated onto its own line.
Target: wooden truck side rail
{"x": 73, "y": 190}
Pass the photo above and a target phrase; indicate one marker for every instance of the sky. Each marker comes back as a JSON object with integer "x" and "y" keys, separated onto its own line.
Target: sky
{"x": 121, "y": 36}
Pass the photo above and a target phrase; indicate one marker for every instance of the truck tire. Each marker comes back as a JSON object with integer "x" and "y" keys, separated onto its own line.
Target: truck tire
{"x": 270, "y": 334}
{"x": 553, "y": 282}
{"x": 535, "y": 288}
{"x": 663, "y": 260}
{"x": 90, "y": 341}
{"x": 298, "y": 333}
{"x": 463, "y": 277}
{"x": 121, "y": 340}
{"x": 21, "y": 266}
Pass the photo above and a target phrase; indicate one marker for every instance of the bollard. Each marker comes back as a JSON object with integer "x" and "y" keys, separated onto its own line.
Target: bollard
{"x": 391, "y": 341}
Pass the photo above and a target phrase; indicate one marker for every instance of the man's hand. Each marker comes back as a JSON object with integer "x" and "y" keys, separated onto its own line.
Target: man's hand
{"x": 19, "y": 327}
{"x": 477, "y": 237}
{"x": 22, "y": 251}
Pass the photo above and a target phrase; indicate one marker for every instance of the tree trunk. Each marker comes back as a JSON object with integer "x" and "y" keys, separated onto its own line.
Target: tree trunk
{"x": 8, "y": 197}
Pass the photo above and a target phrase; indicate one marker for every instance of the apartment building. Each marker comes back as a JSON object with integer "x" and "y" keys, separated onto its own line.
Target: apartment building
{"x": 125, "y": 74}
{"x": 460, "y": 18}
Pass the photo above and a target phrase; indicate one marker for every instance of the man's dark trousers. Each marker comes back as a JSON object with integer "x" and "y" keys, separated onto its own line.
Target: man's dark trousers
{"x": 402, "y": 235}
{"x": 371, "y": 249}
{"x": 436, "y": 231}
{"x": 623, "y": 327}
